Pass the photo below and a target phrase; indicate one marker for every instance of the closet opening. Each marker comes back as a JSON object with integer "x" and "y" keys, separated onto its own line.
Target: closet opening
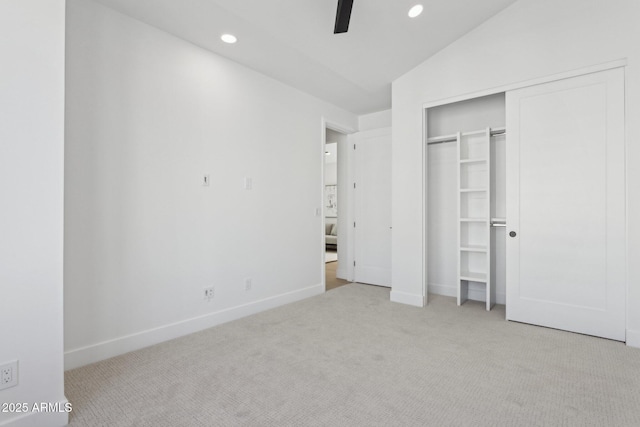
{"x": 466, "y": 200}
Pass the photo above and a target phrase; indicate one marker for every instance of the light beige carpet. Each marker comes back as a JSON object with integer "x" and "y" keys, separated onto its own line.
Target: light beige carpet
{"x": 352, "y": 358}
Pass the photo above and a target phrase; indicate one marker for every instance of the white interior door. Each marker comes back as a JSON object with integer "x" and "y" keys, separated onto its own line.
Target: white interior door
{"x": 372, "y": 211}
{"x": 566, "y": 205}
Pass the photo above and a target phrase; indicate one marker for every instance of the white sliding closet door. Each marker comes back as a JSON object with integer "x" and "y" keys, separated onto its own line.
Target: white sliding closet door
{"x": 373, "y": 207}
{"x": 566, "y": 205}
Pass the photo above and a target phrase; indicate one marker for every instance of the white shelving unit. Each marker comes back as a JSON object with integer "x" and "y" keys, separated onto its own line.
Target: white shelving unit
{"x": 474, "y": 214}
{"x": 475, "y": 205}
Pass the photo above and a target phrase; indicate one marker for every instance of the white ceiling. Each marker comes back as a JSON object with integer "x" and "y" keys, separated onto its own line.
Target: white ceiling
{"x": 293, "y": 41}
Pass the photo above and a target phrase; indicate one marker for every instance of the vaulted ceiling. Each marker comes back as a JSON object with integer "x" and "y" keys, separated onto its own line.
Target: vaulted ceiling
{"x": 293, "y": 41}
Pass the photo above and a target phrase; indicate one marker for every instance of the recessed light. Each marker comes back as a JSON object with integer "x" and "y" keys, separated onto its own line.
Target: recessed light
{"x": 415, "y": 11}
{"x": 228, "y": 38}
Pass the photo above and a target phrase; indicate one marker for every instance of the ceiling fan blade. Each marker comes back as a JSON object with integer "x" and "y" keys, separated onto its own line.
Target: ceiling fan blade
{"x": 343, "y": 15}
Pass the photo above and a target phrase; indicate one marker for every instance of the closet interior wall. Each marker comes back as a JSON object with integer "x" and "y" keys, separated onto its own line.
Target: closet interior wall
{"x": 442, "y": 192}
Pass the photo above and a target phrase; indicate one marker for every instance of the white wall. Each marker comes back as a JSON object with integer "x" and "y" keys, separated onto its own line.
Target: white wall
{"x": 529, "y": 40}
{"x": 331, "y": 168}
{"x": 147, "y": 115}
{"x": 442, "y": 193}
{"x": 331, "y": 162}
{"x": 331, "y": 173}
{"x": 31, "y": 193}
{"x": 465, "y": 116}
{"x": 377, "y": 120}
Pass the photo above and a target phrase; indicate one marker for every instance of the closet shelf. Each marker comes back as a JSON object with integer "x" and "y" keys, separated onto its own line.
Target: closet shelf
{"x": 474, "y": 248}
{"x": 474, "y": 220}
{"x": 451, "y": 138}
{"x": 474, "y": 132}
{"x": 473, "y": 276}
{"x": 472, "y": 190}
{"x": 467, "y": 161}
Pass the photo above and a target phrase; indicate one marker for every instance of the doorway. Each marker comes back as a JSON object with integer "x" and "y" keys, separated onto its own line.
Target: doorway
{"x": 335, "y": 210}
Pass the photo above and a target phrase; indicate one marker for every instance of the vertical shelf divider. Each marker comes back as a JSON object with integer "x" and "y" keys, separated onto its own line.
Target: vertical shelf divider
{"x": 462, "y": 291}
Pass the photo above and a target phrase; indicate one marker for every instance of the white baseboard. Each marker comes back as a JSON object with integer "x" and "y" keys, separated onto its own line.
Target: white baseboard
{"x": 40, "y": 419}
{"x": 405, "y": 298}
{"x": 474, "y": 294}
{"x": 633, "y": 338}
{"x": 444, "y": 290}
{"x": 107, "y": 349}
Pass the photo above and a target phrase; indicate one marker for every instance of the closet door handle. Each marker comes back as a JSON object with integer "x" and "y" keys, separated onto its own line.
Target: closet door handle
{"x": 512, "y": 233}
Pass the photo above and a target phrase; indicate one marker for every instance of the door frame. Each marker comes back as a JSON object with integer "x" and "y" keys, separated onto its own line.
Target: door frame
{"x": 347, "y": 241}
{"x": 620, "y": 63}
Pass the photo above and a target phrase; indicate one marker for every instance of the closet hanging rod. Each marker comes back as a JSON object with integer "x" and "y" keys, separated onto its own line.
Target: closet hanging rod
{"x": 498, "y": 222}
{"x": 454, "y": 138}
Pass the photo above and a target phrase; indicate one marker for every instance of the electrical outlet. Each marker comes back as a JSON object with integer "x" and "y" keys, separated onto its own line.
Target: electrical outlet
{"x": 209, "y": 293}
{"x": 248, "y": 284}
{"x": 9, "y": 375}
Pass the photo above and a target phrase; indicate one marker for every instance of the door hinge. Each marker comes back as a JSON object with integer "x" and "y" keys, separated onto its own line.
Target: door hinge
{"x": 354, "y": 224}
{"x": 354, "y": 146}
{"x": 354, "y": 185}
{"x": 354, "y": 263}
